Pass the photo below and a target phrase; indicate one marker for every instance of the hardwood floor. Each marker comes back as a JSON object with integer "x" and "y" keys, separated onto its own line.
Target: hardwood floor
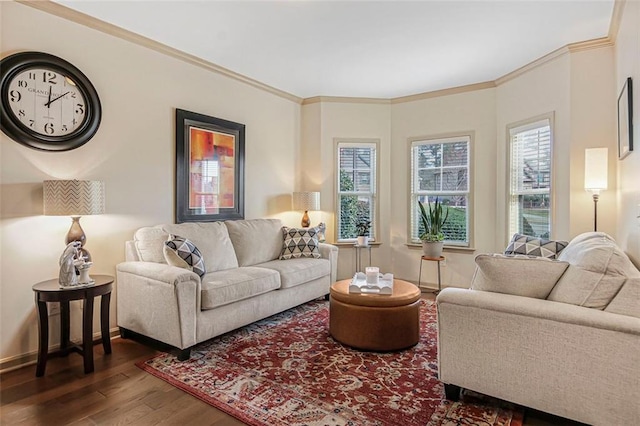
{"x": 118, "y": 393}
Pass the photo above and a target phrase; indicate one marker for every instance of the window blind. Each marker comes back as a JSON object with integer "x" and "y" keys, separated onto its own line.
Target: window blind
{"x": 530, "y": 179}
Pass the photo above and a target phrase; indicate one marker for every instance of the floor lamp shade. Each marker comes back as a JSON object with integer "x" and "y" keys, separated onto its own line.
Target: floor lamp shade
{"x": 74, "y": 198}
{"x": 595, "y": 169}
{"x": 306, "y": 201}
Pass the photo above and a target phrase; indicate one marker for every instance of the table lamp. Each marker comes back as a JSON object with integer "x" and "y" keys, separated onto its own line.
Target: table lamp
{"x": 74, "y": 198}
{"x": 306, "y": 201}
{"x": 595, "y": 176}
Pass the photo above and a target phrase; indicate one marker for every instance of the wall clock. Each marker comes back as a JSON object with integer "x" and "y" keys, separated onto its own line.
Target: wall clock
{"x": 46, "y": 102}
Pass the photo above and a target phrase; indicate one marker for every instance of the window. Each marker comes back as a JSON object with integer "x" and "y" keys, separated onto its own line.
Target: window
{"x": 530, "y": 179}
{"x": 440, "y": 168}
{"x": 356, "y": 185}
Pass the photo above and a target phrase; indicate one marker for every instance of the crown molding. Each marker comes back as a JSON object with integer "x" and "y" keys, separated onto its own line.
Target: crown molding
{"x": 616, "y": 18}
{"x": 344, "y": 99}
{"x": 595, "y": 43}
{"x": 531, "y": 65}
{"x": 444, "y": 92}
{"x": 88, "y": 21}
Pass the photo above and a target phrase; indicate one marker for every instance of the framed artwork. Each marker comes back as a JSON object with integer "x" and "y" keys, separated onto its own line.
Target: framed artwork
{"x": 209, "y": 168}
{"x": 625, "y": 120}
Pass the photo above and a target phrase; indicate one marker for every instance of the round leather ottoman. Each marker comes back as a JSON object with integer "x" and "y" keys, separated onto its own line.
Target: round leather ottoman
{"x": 375, "y": 322}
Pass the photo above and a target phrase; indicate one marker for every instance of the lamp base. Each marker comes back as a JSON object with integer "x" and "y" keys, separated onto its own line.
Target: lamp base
{"x": 76, "y": 233}
{"x": 596, "y": 196}
{"x": 306, "y": 222}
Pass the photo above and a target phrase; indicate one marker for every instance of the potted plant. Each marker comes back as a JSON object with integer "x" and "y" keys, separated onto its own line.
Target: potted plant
{"x": 362, "y": 229}
{"x": 432, "y": 221}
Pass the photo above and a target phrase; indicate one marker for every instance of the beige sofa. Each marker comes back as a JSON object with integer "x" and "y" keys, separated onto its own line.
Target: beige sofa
{"x": 559, "y": 336}
{"x": 245, "y": 281}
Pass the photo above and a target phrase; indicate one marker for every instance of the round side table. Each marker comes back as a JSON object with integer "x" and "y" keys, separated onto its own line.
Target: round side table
{"x": 432, "y": 259}
{"x": 50, "y": 291}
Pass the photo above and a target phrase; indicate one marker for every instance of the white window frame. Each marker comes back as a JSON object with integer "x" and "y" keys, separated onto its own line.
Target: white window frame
{"x": 373, "y": 194}
{"x": 414, "y": 193}
{"x": 512, "y": 193}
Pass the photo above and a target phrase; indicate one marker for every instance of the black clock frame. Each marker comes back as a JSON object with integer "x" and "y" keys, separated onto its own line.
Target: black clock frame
{"x": 12, "y": 126}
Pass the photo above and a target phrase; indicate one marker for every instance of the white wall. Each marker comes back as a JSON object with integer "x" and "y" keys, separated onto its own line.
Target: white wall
{"x": 342, "y": 120}
{"x": 627, "y": 64}
{"x": 543, "y": 90}
{"x": 593, "y": 125}
{"x": 577, "y": 88}
{"x": 459, "y": 113}
{"x": 133, "y": 152}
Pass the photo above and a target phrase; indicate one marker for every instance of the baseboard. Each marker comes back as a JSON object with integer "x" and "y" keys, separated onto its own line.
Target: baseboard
{"x": 428, "y": 289}
{"x": 23, "y": 360}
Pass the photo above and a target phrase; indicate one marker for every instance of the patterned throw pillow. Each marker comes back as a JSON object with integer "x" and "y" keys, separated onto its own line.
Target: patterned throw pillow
{"x": 300, "y": 242}
{"x": 533, "y": 246}
{"x": 179, "y": 251}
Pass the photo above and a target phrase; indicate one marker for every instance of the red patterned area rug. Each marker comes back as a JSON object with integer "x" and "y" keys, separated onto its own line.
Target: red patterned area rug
{"x": 287, "y": 370}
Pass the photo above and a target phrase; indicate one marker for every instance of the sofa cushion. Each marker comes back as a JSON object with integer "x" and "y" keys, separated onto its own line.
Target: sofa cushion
{"x": 518, "y": 275}
{"x": 598, "y": 269}
{"x": 180, "y": 252}
{"x": 627, "y": 301}
{"x": 255, "y": 241}
{"x": 294, "y": 272}
{"x": 532, "y": 246}
{"x": 223, "y": 287}
{"x": 299, "y": 242}
{"x": 212, "y": 239}
{"x": 149, "y": 243}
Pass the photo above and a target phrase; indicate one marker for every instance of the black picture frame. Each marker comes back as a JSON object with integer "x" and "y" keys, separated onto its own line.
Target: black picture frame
{"x": 625, "y": 120}
{"x": 209, "y": 168}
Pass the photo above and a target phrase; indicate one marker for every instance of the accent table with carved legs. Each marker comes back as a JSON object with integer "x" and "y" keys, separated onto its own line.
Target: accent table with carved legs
{"x": 50, "y": 291}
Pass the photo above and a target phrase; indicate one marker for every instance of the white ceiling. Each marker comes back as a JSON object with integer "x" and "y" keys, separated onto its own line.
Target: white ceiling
{"x": 379, "y": 49}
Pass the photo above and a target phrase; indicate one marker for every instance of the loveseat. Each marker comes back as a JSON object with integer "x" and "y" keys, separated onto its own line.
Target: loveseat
{"x": 233, "y": 278}
{"x": 561, "y": 336}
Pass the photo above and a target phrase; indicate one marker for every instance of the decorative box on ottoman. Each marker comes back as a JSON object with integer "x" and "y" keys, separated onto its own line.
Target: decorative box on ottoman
{"x": 375, "y": 322}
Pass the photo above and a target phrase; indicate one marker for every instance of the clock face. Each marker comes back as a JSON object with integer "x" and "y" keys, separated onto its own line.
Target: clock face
{"x": 46, "y": 101}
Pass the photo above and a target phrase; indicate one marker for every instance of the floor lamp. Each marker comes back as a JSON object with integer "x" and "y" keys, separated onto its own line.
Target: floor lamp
{"x": 595, "y": 176}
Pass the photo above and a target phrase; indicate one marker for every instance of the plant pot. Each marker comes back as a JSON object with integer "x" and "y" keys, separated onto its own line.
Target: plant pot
{"x": 363, "y": 241}
{"x": 432, "y": 248}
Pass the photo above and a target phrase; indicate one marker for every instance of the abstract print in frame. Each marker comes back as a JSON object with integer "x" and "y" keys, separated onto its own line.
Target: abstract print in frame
{"x": 209, "y": 168}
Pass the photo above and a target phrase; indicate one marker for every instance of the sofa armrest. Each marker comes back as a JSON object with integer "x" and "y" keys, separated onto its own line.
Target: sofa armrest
{"x": 494, "y": 343}
{"x": 159, "y": 301}
{"x": 329, "y": 251}
{"x": 158, "y": 271}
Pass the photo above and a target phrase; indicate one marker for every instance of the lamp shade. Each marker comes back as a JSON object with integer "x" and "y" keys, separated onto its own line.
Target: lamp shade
{"x": 595, "y": 169}
{"x": 73, "y": 197}
{"x": 306, "y": 201}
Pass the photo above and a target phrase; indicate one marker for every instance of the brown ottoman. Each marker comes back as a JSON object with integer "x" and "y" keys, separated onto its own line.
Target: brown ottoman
{"x": 375, "y": 322}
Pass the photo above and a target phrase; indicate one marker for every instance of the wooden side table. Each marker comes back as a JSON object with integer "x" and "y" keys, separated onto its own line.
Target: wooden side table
{"x": 50, "y": 291}
{"x": 432, "y": 259}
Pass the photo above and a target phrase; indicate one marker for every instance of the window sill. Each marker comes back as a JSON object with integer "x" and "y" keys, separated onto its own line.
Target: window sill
{"x": 446, "y": 248}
